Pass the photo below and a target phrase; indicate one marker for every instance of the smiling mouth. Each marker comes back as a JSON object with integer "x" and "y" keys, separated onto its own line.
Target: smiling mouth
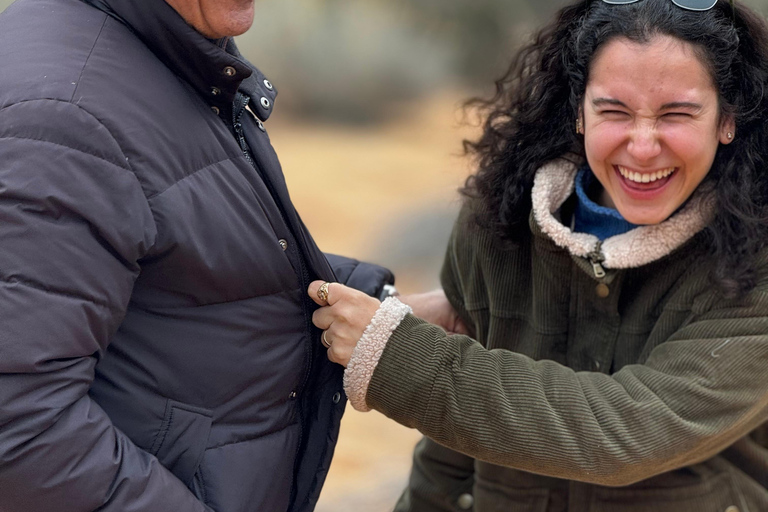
{"x": 645, "y": 177}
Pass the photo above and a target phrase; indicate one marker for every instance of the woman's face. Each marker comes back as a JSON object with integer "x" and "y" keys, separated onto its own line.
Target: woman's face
{"x": 651, "y": 126}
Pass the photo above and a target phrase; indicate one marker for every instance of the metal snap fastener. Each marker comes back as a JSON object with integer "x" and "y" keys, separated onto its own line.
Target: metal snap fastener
{"x": 261, "y": 126}
{"x": 465, "y": 501}
{"x": 265, "y": 102}
{"x": 230, "y": 71}
{"x": 268, "y": 84}
{"x": 215, "y": 110}
{"x": 283, "y": 244}
{"x": 336, "y": 397}
{"x": 602, "y": 290}
{"x": 293, "y": 395}
{"x": 215, "y": 91}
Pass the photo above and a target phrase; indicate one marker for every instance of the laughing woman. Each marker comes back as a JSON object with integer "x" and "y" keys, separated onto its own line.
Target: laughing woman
{"x": 610, "y": 265}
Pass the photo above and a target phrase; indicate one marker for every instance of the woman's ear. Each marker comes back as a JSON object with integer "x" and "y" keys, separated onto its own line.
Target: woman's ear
{"x": 727, "y": 130}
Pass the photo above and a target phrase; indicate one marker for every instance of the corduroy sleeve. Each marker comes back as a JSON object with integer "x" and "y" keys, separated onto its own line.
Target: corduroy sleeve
{"x": 440, "y": 475}
{"x": 696, "y": 393}
{"x": 73, "y": 223}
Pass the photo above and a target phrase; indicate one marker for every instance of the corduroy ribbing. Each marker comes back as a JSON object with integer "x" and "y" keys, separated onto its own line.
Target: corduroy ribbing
{"x": 603, "y": 389}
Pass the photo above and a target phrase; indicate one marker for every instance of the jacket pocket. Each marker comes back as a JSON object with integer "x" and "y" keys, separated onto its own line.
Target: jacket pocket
{"x": 715, "y": 494}
{"x": 181, "y": 440}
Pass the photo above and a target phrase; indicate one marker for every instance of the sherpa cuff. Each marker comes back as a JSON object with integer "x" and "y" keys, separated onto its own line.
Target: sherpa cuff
{"x": 368, "y": 351}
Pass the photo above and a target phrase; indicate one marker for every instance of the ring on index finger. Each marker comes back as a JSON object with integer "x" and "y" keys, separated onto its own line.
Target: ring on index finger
{"x": 326, "y": 343}
{"x": 322, "y": 292}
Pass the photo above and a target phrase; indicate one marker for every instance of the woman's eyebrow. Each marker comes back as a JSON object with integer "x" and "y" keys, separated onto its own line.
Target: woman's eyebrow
{"x": 597, "y": 102}
{"x": 682, "y": 104}
{"x": 688, "y": 105}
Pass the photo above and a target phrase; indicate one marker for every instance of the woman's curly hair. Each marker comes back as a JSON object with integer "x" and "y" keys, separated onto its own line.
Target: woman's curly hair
{"x": 531, "y": 118}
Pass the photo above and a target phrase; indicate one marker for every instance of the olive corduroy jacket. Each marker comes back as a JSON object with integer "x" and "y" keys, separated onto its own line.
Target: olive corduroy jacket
{"x": 641, "y": 390}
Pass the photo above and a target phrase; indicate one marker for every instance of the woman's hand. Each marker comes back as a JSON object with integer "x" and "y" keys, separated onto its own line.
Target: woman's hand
{"x": 344, "y": 316}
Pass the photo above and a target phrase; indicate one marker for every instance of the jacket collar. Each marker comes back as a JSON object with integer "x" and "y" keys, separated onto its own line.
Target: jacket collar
{"x": 554, "y": 183}
{"x": 215, "y": 69}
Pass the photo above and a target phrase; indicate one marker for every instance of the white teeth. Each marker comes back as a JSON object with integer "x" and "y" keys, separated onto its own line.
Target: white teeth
{"x": 645, "y": 177}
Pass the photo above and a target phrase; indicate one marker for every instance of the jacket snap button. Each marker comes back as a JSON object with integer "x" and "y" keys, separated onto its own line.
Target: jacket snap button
{"x": 602, "y": 290}
{"x": 268, "y": 84}
{"x": 465, "y": 501}
{"x": 732, "y": 508}
{"x": 336, "y": 397}
{"x": 215, "y": 110}
{"x": 215, "y": 91}
{"x": 265, "y": 102}
{"x": 283, "y": 244}
{"x": 292, "y": 395}
{"x": 261, "y": 126}
{"x": 230, "y": 71}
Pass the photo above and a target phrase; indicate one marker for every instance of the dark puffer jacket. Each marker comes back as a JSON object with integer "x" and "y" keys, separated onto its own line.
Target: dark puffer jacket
{"x": 156, "y": 350}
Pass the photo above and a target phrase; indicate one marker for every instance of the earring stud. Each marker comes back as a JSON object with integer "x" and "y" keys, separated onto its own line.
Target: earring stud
{"x": 579, "y": 126}
{"x": 729, "y": 136}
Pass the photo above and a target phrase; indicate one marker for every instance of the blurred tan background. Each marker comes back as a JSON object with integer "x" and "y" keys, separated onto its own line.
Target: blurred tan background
{"x": 368, "y": 127}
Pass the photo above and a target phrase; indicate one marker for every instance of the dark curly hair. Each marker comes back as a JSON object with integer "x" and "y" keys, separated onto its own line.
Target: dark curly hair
{"x": 531, "y": 118}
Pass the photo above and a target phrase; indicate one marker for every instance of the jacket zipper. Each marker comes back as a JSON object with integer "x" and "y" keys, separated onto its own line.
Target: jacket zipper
{"x": 241, "y": 101}
{"x": 596, "y": 258}
{"x": 240, "y": 104}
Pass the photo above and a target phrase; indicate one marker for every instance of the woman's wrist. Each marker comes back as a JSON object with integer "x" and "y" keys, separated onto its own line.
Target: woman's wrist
{"x": 369, "y": 349}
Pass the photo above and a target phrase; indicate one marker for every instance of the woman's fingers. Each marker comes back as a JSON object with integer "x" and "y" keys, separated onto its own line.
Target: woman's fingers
{"x": 326, "y": 293}
{"x": 343, "y": 318}
{"x": 322, "y": 318}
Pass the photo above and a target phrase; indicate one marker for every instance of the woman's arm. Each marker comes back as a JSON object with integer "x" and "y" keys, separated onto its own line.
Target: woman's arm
{"x": 696, "y": 394}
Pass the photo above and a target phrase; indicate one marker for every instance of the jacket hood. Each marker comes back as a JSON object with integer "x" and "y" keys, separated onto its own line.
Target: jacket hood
{"x": 554, "y": 183}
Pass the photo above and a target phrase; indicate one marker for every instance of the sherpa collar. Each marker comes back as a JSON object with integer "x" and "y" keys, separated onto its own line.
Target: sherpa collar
{"x": 554, "y": 183}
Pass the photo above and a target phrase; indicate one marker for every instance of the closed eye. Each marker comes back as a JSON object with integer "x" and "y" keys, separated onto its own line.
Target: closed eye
{"x": 613, "y": 113}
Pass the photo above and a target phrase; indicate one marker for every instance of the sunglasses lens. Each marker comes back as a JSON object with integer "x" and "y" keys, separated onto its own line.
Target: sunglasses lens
{"x": 695, "y": 5}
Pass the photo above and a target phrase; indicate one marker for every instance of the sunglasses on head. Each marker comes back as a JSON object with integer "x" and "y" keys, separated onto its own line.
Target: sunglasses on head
{"x": 691, "y": 5}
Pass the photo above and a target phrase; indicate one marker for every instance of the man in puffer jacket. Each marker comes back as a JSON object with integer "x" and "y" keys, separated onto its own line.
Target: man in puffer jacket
{"x": 156, "y": 346}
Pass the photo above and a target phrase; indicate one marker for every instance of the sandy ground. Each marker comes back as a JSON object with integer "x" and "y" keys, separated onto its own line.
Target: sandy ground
{"x": 371, "y": 193}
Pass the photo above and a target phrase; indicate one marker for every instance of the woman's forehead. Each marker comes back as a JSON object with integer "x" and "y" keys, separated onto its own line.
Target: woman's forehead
{"x": 663, "y": 69}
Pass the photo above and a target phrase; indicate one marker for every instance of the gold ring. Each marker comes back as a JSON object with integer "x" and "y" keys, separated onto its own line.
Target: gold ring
{"x": 322, "y": 292}
{"x": 326, "y": 343}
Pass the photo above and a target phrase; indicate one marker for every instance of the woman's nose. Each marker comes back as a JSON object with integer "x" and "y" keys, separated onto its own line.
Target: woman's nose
{"x": 644, "y": 142}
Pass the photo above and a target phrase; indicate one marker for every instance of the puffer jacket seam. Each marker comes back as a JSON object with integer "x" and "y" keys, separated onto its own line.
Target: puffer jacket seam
{"x": 15, "y": 137}
{"x": 62, "y": 293}
{"x": 252, "y": 297}
{"x": 88, "y": 58}
{"x": 193, "y": 173}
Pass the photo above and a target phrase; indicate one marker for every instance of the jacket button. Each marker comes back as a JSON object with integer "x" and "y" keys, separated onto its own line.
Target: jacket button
{"x": 602, "y": 290}
{"x": 265, "y": 102}
{"x": 283, "y": 244}
{"x": 268, "y": 84}
{"x": 336, "y": 397}
{"x": 465, "y": 501}
{"x": 732, "y": 508}
{"x": 215, "y": 110}
{"x": 230, "y": 71}
{"x": 292, "y": 395}
{"x": 261, "y": 126}
{"x": 215, "y": 91}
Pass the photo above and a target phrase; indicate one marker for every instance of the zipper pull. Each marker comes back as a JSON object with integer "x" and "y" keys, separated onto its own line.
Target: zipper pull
{"x": 596, "y": 258}
{"x": 598, "y": 269}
